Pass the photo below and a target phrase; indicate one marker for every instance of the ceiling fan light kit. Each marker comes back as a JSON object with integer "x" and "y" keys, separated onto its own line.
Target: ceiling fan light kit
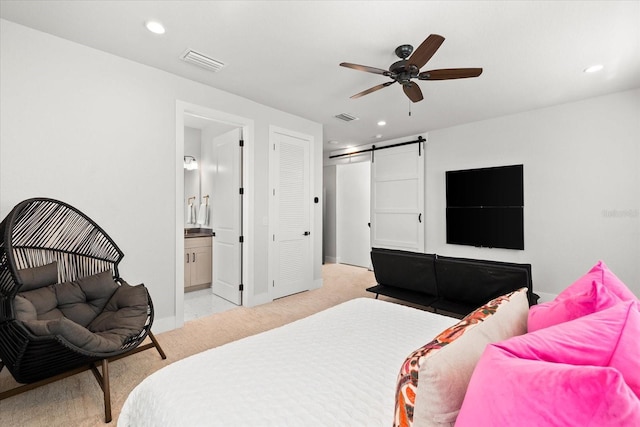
{"x": 408, "y": 68}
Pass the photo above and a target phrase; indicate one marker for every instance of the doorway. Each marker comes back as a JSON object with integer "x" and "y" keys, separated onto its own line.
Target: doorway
{"x": 353, "y": 213}
{"x": 235, "y": 266}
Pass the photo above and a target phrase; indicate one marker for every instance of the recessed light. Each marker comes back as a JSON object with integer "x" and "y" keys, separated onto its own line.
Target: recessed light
{"x": 333, "y": 142}
{"x": 378, "y": 136}
{"x": 594, "y": 68}
{"x": 155, "y": 27}
{"x": 382, "y": 123}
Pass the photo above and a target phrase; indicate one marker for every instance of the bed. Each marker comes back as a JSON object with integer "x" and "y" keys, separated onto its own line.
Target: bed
{"x": 570, "y": 361}
{"x": 345, "y": 358}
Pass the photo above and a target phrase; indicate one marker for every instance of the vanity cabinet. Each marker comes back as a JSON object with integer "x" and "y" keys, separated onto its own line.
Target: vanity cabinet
{"x": 197, "y": 262}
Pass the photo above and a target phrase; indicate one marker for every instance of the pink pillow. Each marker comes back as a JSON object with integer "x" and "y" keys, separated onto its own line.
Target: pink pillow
{"x": 601, "y": 274}
{"x": 551, "y": 313}
{"x": 597, "y": 290}
{"x": 554, "y": 395}
{"x": 582, "y": 372}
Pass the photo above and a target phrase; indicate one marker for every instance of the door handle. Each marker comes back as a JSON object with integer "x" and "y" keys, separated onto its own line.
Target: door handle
{"x": 187, "y": 258}
{"x": 420, "y": 217}
{"x": 193, "y": 257}
{"x": 306, "y": 233}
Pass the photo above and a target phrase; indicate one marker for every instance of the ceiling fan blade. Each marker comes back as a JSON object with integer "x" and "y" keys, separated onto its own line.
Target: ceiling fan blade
{"x": 366, "y": 68}
{"x": 413, "y": 92}
{"x": 450, "y": 73}
{"x": 425, "y": 51}
{"x": 372, "y": 89}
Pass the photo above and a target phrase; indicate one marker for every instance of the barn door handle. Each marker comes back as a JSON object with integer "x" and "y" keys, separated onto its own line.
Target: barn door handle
{"x": 420, "y": 217}
{"x": 306, "y": 233}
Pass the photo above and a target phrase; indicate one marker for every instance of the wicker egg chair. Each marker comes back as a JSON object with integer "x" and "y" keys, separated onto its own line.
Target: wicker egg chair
{"x": 63, "y": 307}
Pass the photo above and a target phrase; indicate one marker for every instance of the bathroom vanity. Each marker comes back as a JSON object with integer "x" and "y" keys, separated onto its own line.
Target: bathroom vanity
{"x": 197, "y": 259}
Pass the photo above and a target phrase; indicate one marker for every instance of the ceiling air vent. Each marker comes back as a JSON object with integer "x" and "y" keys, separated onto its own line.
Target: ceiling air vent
{"x": 346, "y": 117}
{"x": 201, "y": 60}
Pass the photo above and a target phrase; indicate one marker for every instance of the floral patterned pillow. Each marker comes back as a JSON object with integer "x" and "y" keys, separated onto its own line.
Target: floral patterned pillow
{"x": 408, "y": 376}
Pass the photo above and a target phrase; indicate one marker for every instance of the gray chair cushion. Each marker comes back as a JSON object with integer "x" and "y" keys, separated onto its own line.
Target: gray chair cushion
{"x": 24, "y": 309}
{"x": 122, "y": 316}
{"x": 37, "y": 277}
{"x": 73, "y": 333}
{"x": 80, "y": 301}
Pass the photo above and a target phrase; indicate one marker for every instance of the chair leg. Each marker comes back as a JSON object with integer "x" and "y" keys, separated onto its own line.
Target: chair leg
{"x": 103, "y": 381}
{"x": 107, "y": 391}
{"x": 156, "y": 344}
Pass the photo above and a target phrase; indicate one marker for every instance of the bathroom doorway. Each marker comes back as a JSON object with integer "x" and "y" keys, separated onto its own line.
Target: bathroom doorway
{"x": 221, "y": 189}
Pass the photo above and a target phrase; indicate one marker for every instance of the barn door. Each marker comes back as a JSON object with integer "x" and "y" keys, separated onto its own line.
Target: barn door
{"x": 291, "y": 254}
{"x": 397, "y": 198}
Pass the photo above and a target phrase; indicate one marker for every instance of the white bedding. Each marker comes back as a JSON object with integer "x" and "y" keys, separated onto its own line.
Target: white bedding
{"x": 335, "y": 368}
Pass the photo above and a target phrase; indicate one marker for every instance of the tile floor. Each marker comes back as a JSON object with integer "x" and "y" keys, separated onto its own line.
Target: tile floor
{"x": 203, "y": 303}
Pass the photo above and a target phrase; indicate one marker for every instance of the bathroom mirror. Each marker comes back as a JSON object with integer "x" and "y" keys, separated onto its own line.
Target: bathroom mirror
{"x": 192, "y": 170}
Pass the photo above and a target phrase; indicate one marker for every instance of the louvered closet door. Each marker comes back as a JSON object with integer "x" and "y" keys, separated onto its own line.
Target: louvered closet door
{"x": 292, "y": 261}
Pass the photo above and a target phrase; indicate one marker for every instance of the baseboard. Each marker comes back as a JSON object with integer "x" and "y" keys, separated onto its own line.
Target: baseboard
{"x": 545, "y": 296}
{"x": 330, "y": 260}
{"x": 163, "y": 325}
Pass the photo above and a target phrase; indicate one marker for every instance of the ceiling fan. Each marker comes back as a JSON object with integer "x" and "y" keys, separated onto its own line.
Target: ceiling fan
{"x": 408, "y": 68}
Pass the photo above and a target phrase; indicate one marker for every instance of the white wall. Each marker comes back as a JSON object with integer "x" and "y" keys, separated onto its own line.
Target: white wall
{"x": 329, "y": 214}
{"x": 98, "y": 131}
{"x": 581, "y": 186}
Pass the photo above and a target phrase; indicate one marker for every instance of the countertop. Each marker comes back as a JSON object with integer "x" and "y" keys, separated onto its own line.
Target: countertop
{"x": 197, "y": 232}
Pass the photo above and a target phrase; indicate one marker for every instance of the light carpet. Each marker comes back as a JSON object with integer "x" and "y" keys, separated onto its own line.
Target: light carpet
{"x": 78, "y": 400}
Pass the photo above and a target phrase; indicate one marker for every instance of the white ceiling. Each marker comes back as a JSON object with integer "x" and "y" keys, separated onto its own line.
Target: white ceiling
{"x": 285, "y": 54}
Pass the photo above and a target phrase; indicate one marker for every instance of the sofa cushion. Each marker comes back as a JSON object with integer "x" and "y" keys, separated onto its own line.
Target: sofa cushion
{"x": 597, "y": 290}
{"x": 413, "y": 271}
{"x": 444, "y": 376}
{"x": 37, "y": 277}
{"x": 474, "y": 282}
{"x": 581, "y": 372}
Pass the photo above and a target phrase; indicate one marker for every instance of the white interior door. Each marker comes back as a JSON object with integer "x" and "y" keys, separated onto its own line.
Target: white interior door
{"x": 353, "y": 213}
{"x": 292, "y": 263}
{"x": 226, "y": 217}
{"x": 397, "y": 198}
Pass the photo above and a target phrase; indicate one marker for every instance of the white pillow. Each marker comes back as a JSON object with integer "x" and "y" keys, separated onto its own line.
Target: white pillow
{"x": 444, "y": 376}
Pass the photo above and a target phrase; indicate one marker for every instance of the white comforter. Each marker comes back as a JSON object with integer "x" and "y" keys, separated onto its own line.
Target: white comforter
{"x": 335, "y": 368}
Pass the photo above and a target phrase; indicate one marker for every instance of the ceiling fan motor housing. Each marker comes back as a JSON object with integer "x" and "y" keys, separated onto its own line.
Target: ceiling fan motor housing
{"x": 403, "y": 51}
{"x": 403, "y": 72}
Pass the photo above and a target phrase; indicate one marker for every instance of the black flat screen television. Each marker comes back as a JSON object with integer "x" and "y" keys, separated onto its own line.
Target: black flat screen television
{"x": 485, "y": 207}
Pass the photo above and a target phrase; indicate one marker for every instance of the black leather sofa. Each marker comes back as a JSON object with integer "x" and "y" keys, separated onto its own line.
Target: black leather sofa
{"x": 447, "y": 284}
